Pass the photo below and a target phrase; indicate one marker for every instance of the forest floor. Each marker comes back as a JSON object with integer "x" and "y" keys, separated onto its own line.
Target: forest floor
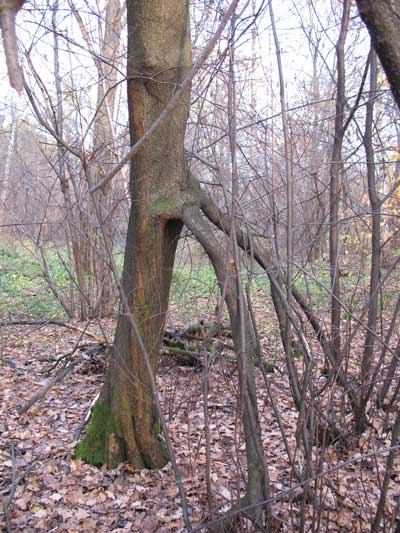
{"x": 43, "y": 488}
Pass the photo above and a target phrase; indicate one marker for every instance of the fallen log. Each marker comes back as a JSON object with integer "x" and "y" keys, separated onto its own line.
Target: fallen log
{"x": 184, "y": 357}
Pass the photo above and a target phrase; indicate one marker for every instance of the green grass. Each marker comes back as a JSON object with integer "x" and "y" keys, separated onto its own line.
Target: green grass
{"x": 23, "y": 291}
{"x": 317, "y": 285}
{"x": 192, "y": 283}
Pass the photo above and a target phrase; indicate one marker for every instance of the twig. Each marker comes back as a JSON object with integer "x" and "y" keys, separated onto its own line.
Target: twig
{"x": 15, "y": 481}
{"x": 12, "y": 491}
{"x": 184, "y": 357}
{"x": 45, "y": 389}
{"x": 58, "y": 360}
{"x": 71, "y": 353}
{"x": 388, "y": 472}
{"x": 295, "y": 488}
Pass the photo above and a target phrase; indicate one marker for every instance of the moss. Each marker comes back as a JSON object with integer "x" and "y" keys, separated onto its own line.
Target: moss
{"x": 163, "y": 204}
{"x": 102, "y": 443}
{"x": 157, "y": 426}
{"x": 161, "y": 442}
{"x": 94, "y": 447}
{"x": 164, "y": 457}
{"x": 269, "y": 367}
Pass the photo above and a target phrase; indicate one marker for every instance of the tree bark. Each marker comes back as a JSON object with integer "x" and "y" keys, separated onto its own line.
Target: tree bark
{"x": 124, "y": 423}
{"x": 335, "y": 186}
{"x": 8, "y": 12}
{"x": 375, "y": 273}
{"x": 382, "y": 18}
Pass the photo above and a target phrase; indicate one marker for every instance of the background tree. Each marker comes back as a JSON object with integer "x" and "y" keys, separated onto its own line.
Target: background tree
{"x": 85, "y": 127}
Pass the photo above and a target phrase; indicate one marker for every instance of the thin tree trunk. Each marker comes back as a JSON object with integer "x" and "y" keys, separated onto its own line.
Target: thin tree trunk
{"x": 375, "y": 273}
{"x": 72, "y": 233}
{"x": 375, "y": 527}
{"x": 389, "y": 375}
{"x": 283, "y": 319}
{"x": 103, "y": 294}
{"x": 257, "y": 488}
{"x": 335, "y": 186}
{"x": 100, "y": 290}
{"x": 5, "y": 183}
{"x": 289, "y": 180}
{"x": 245, "y": 344}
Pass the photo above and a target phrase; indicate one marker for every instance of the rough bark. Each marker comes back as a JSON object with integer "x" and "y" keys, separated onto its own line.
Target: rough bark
{"x": 382, "y": 18}
{"x": 8, "y": 12}
{"x": 124, "y": 423}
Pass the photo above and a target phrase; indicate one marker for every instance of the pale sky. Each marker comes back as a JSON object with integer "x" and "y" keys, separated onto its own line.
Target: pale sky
{"x": 35, "y": 34}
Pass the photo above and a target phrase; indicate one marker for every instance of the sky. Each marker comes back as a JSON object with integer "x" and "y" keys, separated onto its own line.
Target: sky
{"x": 35, "y": 35}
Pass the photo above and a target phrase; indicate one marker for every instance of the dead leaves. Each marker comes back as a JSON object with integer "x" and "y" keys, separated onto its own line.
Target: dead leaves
{"x": 62, "y": 494}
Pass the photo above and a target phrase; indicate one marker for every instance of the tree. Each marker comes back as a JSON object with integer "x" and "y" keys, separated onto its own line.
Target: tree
{"x": 124, "y": 425}
{"x": 96, "y": 283}
{"x": 91, "y": 293}
{"x": 8, "y": 11}
{"x": 382, "y": 18}
{"x": 165, "y": 193}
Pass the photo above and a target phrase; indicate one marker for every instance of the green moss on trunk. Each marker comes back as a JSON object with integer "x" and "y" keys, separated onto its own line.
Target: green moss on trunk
{"x": 104, "y": 443}
{"x": 94, "y": 448}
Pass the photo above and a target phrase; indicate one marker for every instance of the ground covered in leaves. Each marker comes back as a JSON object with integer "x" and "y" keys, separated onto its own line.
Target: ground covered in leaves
{"x": 43, "y": 488}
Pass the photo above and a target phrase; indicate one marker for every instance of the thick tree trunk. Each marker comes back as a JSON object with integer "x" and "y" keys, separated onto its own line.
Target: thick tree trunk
{"x": 124, "y": 423}
{"x": 382, "y": 18}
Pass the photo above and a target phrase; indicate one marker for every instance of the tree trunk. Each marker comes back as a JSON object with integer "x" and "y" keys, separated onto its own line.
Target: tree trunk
{"x": 257, "y": 487}
{"x": 98, "y": 294}
{"x": 375, "y": 273}
{"x": 124, "y": 423}
{"x": 335, "y": 186}
{"x": 101, "y": 288}
{"x": 382, "y": 20}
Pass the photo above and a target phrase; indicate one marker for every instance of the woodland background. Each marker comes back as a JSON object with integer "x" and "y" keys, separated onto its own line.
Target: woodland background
{"x": 293, "y": 135}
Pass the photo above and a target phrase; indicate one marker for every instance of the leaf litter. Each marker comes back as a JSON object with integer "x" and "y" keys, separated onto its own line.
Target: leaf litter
{"x": 57, "y": 493}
